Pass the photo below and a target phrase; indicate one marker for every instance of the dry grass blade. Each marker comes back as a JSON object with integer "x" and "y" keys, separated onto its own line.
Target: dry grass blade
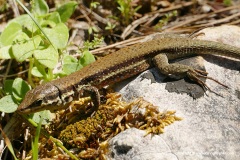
{"x": 8, "y": 143}
{"x": 202, "y": 16}
{"x": 129, "y": 29}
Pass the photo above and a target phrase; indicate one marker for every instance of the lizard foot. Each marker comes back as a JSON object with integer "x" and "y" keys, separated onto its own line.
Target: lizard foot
{"x": 195, "y": 74}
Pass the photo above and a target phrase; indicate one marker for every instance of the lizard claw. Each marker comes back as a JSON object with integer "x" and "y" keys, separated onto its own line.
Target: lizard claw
{"x": 195, "y": 74}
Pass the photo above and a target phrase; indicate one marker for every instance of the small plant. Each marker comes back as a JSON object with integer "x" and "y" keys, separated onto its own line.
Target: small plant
{"x": 39, "y": 39}
{"x": 92, "y": 30}
{"x": 94, "y": 4}
{"x": 127, "y": 10}
{"x": 15, "y": 91}
{"x": 72, "y": 64}
{"x": 166, "y": 19}
{"x": 110, "y": 26}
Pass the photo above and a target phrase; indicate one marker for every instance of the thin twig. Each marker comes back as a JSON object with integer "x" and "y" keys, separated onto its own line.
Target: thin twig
{"x": 95, "y": 15}
{"x": 179, "y": 6}
{"x": 128, "y": 30}
{"x": 116, "y": 45}
{"x": 83, "y": 11}
{"x": 223, "y": 20}
{"x": 14, "y": 75}
{"x": 200, "y": 17}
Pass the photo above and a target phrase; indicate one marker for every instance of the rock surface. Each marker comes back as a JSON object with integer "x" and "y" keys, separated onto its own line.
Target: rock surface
{"x": 211, "y": 125}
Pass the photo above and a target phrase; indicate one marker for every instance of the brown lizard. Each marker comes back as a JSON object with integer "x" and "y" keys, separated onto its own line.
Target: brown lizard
{"x": 121, "y": 65}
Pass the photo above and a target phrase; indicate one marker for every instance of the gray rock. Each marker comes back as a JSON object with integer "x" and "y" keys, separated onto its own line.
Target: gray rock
{"x": 132, "y": 144}
{"x": 211, "y": 125}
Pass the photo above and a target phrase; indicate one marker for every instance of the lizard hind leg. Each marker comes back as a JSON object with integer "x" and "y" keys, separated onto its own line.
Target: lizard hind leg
{"x": 181, "y": 71}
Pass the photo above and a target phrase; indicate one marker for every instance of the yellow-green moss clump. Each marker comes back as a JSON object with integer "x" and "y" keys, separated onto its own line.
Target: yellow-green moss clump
{"x": 90, "y": 135}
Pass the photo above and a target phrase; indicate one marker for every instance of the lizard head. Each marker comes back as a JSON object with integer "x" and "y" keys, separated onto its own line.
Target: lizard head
{"x": 40, "y": 98}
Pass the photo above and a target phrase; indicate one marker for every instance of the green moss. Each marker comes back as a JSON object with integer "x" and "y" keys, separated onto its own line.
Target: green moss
{"x": 112, "y": 118}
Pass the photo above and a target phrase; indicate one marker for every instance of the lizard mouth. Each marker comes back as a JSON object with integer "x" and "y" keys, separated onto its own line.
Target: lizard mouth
{"x": 24, "y": 111}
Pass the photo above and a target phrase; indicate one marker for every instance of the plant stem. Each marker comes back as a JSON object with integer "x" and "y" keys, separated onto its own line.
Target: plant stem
{"x": 31, "y": 61}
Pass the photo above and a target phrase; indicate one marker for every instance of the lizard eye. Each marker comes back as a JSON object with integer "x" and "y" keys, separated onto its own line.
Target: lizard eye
{"x": 38, "y": 102}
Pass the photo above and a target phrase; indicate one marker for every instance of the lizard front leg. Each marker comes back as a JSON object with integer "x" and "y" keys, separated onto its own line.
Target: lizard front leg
{"x": 93, "y": 93}
{"x": 181, "y": 70}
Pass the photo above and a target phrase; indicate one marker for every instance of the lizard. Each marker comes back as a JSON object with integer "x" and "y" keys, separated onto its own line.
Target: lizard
{"x": 120, "y": 65}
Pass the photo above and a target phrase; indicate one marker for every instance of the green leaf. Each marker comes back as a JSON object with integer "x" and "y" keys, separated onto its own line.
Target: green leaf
{"x": 22, "y": 19}
{"x": 39, "y": 70}
{"x": 39, "y": 7}
{"x": 36, "y": 72}
{"x": 24, "y": 46}
{"x": 47, "y": 23}
{"x": 66, "y": 10}
{"x": 55, "y": 17}
{"x": 47, "y": 57}
{"x": 58, "y": 35}
{"x": 25, "y": 21}
{"x": 87, "y": 58}
{"x": 70, "y": 65}
{"x": 9, "y": 34}
{"x": 94, "y": 4}
{"x": 8, "y": 86}
{"x": 7, "y": 104}
{"x": 34, "y": 19}
{"x": 46, "y": 115}
{"x": 5, "y": 52}
{"x": 19, "y": 89}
